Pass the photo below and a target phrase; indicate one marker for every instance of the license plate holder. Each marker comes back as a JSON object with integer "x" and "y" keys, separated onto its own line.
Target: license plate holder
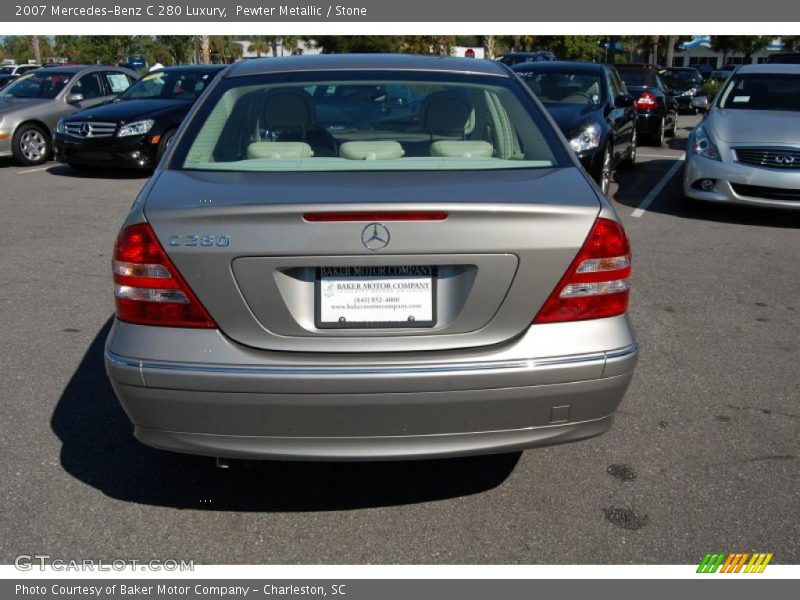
{"x": 375, "y": 297}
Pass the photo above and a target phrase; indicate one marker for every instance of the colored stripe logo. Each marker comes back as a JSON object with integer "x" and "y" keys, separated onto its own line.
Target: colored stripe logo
{"x": 734, "y": 562}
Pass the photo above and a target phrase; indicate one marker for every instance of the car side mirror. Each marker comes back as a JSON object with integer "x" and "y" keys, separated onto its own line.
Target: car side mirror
{"x": 74, "y": 98}
{"x": 624, "y": 101}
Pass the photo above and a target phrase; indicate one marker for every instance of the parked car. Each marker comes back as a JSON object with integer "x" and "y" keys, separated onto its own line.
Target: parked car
{"x": 684, "y": 83}
{"x": 656, "y": 108}
{"x": 32, "y": 105}
{"x": 514, "y": 58}
{"x": 705, "y": 70}
{"x": 135, "y": 129}
{"x": 593, "y": 109}
{"x": 457, "y": 286}
{"x": 9, "y": 73}
{"x": 785, "y": 58}
{"x": 747, "y": 149}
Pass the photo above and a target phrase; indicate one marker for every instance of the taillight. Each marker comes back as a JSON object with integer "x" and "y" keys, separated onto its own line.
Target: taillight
{"x": 148, "y": 289}
{"x": 597, "y": 283}
{"x": 647, "y": 101}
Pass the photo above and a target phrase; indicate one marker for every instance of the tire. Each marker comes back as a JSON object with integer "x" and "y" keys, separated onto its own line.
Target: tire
{"x": 630, "y": 160}
{"x": 659, "y": 137}
{"x": 31, "y": 145}
{"x": 164, "y": 144}
{"x": 673, "y": 130}
{"x": 604, "y": 176}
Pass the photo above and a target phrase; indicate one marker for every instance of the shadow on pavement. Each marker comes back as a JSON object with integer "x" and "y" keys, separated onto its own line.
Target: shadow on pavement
{"x": 98, "y": 173}
{"x": 99, "y": 449}
{"x": 634, "y": 186}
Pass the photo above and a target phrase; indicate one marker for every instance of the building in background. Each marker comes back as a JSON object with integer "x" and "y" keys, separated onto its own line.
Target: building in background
{"x": 698, "y": 51}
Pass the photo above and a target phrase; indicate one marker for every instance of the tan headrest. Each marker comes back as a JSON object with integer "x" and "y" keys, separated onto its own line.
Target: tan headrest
{"x": 381, "y": 150}
{"x": 461, "y": 149}
{"x": 279, "y": 150}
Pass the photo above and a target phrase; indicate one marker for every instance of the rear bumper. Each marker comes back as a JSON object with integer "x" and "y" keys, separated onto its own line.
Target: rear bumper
{"x": 355, "y": 408}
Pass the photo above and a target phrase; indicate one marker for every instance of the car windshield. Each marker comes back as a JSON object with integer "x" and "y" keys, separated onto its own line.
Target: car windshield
{"x": 638, "y": 77}
{"x": 565, "y": 88}
{"x": 169, "y": 85}
{"x": 37, "y": 85}
{"x": 358, "y": 124}
{"x": 6, "y": 70}
{"x": 762, "y": 91}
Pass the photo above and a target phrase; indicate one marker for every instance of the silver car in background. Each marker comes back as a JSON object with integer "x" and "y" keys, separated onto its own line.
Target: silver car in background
{"x": 369, "y": 257}
{"x": 747, "y": 149}
{"x": 31, "y": 106}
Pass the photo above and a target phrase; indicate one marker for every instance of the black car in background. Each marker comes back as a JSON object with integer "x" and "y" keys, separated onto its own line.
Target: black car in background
{"x": 655, "y": 106}
{"x": 134, "y": 130}
{"x": 684, "y": 83}
{"x": 515, "y": 58}
{"x": 593, "y": 109}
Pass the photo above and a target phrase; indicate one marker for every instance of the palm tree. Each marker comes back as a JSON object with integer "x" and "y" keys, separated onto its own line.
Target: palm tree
{"x": 259, "y": 44}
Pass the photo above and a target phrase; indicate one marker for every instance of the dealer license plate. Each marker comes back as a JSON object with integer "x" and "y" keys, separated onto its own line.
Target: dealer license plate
{"x": 387, "y": 296}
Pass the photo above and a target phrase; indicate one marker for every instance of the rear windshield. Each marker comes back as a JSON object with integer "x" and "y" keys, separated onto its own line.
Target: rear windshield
{"x": 416, "y": 122}
{"x": 638, "y": 77}
{"x": 762, "y": 92}
{"x": 565, "y": 88}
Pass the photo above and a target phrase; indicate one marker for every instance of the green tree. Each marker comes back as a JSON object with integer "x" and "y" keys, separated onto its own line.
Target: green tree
{"x": 178, "y": 47}
{"x": 259, "y": 44}
{"x": 334, "y": 44}
{"x": 725, "y": 44}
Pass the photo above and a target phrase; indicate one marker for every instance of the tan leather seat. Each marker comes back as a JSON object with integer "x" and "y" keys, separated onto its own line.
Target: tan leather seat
{"x": 451, "y": 114}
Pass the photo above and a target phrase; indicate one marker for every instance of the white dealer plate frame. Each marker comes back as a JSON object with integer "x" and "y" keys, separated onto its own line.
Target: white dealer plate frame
{"x": 400, "y": 321}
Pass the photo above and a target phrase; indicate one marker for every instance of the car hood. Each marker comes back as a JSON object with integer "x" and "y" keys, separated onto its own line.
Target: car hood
{"x": 8, "y": 105}
{"x": 572, "y": 117}
{"x": 740, "y": 126}
{"x": 132, "y": 110}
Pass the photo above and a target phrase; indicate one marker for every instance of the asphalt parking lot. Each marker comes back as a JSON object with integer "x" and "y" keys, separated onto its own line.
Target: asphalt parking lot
{"x": 703, "y": 455}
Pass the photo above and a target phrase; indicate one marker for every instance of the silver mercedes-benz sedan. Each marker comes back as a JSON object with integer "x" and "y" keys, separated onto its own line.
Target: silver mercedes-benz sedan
{"x": 369, "y": 257}
{"x": 747, "y": 149}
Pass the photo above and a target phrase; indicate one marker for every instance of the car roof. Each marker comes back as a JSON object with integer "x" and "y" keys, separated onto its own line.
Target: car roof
{"x": 189, "y": 68}
{"x": 559, "y": 65}
{"x": 371, "y": 62}
{"x": 646, "y": 66}
{"x": 770, "y": 68}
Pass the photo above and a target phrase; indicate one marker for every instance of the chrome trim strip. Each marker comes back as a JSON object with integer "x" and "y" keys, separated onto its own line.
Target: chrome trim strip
{"x": 121, "y": 361}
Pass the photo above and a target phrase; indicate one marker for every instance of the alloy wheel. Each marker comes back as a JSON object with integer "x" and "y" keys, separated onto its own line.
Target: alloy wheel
{"x": 32, "y": 145}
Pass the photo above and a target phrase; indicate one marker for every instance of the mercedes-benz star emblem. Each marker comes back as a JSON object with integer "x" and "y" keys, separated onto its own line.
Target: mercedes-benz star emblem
{"x": 86, "y": 129}
{"x": 784, "y": 159}
{"x": 375, "y": 237}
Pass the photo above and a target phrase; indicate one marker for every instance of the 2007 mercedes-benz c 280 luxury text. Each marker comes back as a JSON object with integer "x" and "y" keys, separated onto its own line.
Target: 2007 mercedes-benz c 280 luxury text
{"x": 369, "y": 257}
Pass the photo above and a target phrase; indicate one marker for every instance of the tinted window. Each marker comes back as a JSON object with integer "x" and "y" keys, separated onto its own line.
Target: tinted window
{"x": 37, "y": 85}
{"x": 638, "y": 77}
{"x": 250, "y": 124}
{"x": 762, "y": 92}
{"x": 90, "y": 86}
{"x": 565, "y": 88}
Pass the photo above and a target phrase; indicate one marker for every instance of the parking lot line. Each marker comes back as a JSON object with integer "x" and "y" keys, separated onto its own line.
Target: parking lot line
{"x": 648, "y": 200}
{"x": 33, "y": 170}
